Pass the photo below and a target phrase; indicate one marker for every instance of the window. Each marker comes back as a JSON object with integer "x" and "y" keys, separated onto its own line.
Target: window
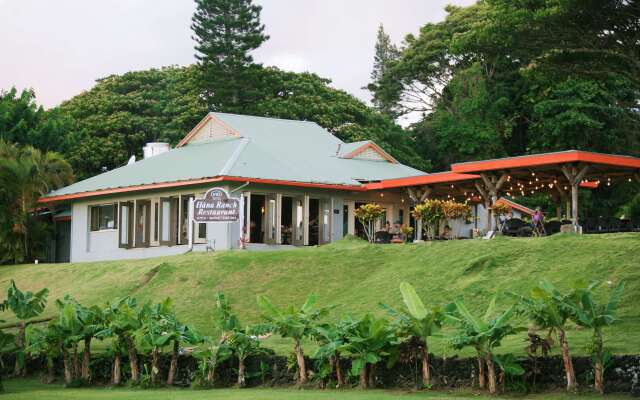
{"x": 202, "y": 231}
{"x": 168, "y": 221}
{"x": 103, "y": 217}
{"x": 126, "y": 225}
{"x": 143, "y": 220}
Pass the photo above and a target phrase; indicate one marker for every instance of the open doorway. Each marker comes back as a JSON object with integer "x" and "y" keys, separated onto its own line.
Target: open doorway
{"x": 314, "y": 224}
{"x": 256, "y": 219}
{"x": 286, "y": 217}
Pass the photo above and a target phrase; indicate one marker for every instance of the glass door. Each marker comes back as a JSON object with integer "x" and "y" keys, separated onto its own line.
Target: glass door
{"x": 271, "y": 217}
{"x": 298, "y": 221}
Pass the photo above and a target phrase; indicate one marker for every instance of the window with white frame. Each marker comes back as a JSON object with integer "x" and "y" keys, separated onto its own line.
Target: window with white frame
{"x": 103, "y": 217}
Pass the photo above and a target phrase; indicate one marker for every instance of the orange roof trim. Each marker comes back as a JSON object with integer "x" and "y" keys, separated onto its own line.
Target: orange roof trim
{"x": 443, "y": 177}
{"x": 515, "y": 206}
{"x": 547, "y": 159}
{"x": 193, "y": 182}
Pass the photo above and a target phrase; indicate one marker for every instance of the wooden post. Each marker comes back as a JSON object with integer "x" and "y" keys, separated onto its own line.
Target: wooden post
{"x": 574, "y": 176}
{"x": 419, "y": 196}
{"x": 492, "y": 184}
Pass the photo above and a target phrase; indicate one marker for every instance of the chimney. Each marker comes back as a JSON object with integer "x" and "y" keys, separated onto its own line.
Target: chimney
{"x": 154, "y": 148}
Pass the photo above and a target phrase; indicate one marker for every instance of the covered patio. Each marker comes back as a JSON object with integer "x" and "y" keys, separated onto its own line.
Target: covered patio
{"x": 560, "y": 175}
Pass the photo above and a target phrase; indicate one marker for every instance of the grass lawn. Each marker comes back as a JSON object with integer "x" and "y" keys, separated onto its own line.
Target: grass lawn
{"x": 27, "y": 389}
{"x": 356, "y": 276}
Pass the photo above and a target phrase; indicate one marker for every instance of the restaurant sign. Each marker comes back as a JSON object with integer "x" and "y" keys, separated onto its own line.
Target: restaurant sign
{"x": 216, "y": 206}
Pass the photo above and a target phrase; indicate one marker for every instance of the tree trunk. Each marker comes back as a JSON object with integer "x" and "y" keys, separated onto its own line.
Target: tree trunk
{"x": 174, "y": 363}
{"x": 598, "y": 368}
{"x": 133, "y": 359}
{"x": 339, "y": 375}
{"x": 211, "y": 376}
{"x": 51, "y": 374}
{"x": 86, "y": 360}
{"x": 241, "y": 372}
{"x": 566, "y": 360}
{"x": 116, "y": 372}
{"x": 598, "y": 383}
{"x": 481, "y": 377}
{"x": 68, "y": 374}
{"x": 155, "y": 367}
{"x": 20, "y": 368}
{"x": 426, "y": 373}
{"x": 491, "y": 371}
{"x": 363, "y": 377}
{"x": 76, "y": 362}
{"x": 302, "y": 369}
{"x": 372, "y": 375}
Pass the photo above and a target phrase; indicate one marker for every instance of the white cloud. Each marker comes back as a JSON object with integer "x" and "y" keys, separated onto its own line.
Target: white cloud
{"x": 288, "y": 62}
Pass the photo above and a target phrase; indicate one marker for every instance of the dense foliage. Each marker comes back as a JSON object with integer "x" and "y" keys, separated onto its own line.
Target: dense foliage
{"x": 26, "y": 174}
{"x": 368, "y": 342}
{"x": 507, "y": 77}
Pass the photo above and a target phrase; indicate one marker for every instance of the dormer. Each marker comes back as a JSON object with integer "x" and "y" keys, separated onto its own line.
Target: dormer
{"x": 208, "y": 129}
{"x": 364, "y": 150}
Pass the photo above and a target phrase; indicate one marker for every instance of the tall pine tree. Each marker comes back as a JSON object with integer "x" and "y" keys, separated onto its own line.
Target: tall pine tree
{"x": 226, "y": 31}
{"x": 386, "y": 53}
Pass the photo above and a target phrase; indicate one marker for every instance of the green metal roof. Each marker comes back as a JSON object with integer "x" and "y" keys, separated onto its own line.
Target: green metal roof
{"x": 267, "y": 148}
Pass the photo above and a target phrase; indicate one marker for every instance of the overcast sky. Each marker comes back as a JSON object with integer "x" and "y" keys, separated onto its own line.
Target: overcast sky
{"x": 59, "y": 47}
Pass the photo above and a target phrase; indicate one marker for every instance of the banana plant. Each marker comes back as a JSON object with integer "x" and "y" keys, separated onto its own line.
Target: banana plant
{"x": 178, "y": 334}
{"x": 91, "y": 322}
{"x": 240, "y": 341}
{"x": 155, "y": 333}
{"x": 68, "y": 329}
{"x": 44, "y": 342}
{"x": 292, "y": 322}
{"x": 418, "y": 322}
{"x": 121, "y": 320}
{"x": 330, "y": 338}
{"x": 550, "y": 309}
{"x": 24, "y": 305}
{"x": 589, "y": 313}
{"x": 368, "y": 341}
{"x": 209, "y": 358}
{"x": 484, "y": 334}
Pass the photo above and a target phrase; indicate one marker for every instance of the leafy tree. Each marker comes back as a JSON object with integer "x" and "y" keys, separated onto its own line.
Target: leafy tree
{"x": 368, "y": 214}
{"x": 419, "y": 322}
{"x": 550, "y": 309}
{"x": 589, "y": 313}
{"x": 385, "y": 54}
{"x": 24, "y": 122}
{"x": 484, "y": 333}
{"x": 121, "y": 113}
{"x": 226, "y": 31}
{"x": 294, "y": 323}
{"x": 25, "y": 175}
{"x": 24, "y": 305}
